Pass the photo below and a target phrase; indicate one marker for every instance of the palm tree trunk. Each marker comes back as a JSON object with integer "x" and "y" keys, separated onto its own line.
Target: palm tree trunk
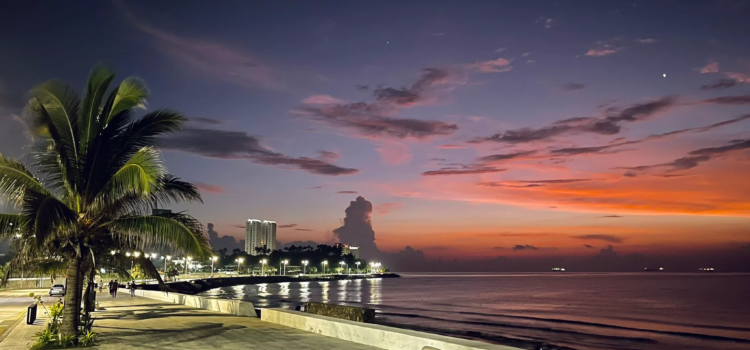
{"x": 87, "y": 293}
{"x": 71, "y": 313}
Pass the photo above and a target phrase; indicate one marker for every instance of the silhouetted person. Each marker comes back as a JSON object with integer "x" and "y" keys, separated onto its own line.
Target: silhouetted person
{"x": 109, "y": 287}
{"x": 132, "y": 289}
{"x": 101, "y": 285}
{"x": 114, "y": 289}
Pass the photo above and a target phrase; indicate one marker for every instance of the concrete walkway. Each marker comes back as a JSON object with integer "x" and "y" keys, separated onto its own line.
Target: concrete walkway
{"x": 15, "y": 334}
{"x": 141, "y": 323}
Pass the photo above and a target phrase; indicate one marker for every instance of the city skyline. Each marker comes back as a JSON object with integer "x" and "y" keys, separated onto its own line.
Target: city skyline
{"x": 532, "y": 131}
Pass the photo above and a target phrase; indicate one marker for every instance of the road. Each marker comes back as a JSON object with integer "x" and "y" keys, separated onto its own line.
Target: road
{"x": 13, "y": 304}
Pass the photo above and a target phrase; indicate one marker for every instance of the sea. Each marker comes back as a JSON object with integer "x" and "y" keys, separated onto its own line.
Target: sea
{"x": 584, "y": 311}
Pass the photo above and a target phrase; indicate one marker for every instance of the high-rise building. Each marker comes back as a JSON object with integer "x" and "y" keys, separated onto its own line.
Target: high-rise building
{"x": 260, "y": 234}
{"x": 348, "y": 249}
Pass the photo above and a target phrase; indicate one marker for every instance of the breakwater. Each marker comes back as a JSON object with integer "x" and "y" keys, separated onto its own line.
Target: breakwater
{"x": 197, "y": 286}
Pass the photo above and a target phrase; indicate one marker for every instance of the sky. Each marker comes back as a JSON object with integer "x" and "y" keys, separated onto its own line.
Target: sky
{"x": 474, "y": 131}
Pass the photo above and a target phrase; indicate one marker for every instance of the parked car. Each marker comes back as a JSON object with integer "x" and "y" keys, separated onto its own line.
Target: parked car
{"x": 57, "y": 289}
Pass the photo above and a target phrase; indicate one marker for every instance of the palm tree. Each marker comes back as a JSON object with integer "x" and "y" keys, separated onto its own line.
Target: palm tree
{"x": 94, "y": 178}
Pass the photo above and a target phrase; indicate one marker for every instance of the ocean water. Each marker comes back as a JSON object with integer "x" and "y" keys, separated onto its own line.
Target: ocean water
{"x": 649, "y": 311}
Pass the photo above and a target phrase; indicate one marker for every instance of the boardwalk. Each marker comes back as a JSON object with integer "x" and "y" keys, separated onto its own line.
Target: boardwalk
{"x": 140, "y": 323}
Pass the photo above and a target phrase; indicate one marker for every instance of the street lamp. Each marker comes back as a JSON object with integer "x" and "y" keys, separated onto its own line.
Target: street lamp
{"x": 263, "y": 267}
{"x": 285, "y": 263}
{"x": 324, "y": 263}
{"x": 186, "y": 264}
{"x": 357, "y": 263}
{"x": 239, "y": 266}
{"x": 342, "y": 266}
{"x": 213, "y": 258}
{"x": 304, "y": 268}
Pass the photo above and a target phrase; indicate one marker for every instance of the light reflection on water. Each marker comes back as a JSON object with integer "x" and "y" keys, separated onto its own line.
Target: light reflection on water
{"x": 291, "y": 294}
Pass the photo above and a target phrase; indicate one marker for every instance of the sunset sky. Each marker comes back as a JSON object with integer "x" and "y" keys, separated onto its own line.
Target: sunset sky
{"x": 476, "y": 129}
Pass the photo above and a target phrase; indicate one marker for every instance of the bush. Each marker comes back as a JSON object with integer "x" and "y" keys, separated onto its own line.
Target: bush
{"x": 350, "y": 313}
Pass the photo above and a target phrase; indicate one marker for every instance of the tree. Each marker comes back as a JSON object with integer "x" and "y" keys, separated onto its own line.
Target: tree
{"x": 95, "y": 177}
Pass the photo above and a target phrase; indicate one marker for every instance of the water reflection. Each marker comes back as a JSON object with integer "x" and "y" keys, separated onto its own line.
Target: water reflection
{"x": 291, "y": 294}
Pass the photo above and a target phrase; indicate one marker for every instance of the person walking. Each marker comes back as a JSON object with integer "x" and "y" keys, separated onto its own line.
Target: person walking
{"x": 101, "y": 285}
{"x": 132, "y": 289}
{"x": 109, "y": 288}
{"x": 115, "y": 286}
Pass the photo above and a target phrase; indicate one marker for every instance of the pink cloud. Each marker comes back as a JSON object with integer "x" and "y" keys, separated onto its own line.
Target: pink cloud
{"x": 213, "y": 189}
{"x": 386, "y": 208}
{"x": 209, "y": 58}
{"x": 647, "y": 40}
{"x": 739, "y": 77}
{"x": 711, "y": 67}
{"x": 322, "y": 100}
{"x": 449, "y": 146}
{"x": 394, "y": 153}
{"x": 491, "y": 66}
{"x": 604, "y": 51}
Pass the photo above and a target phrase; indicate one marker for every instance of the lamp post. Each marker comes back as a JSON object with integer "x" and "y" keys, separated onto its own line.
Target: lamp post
{"x": 186, "y": 265}
{"x": 357, "y": 263}
{"x": 239, "y": 266}
{"x": 213, "y": 258}
{"x": 323, "y": 264}
{"x": 285, "y": 262}
{"x": 263, "y": 267}
{"x": 342, "y": 266}
{"x": 304, "y": 267}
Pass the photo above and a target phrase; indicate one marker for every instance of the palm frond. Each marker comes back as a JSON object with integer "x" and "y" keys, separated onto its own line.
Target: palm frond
{"x": 46, "y": 215}
{"x": 96, "y": 88}
{"x": 131, "y": 93}
{"x": 172, "y": 189}
{"x": 53, "y": 155}
{"x": 15, "y": 178}
{"x": 181, "y": 235}
{"x": 148, "y": 269}
{"x": 11, "y": 224}
{"x": 62, "y": 104}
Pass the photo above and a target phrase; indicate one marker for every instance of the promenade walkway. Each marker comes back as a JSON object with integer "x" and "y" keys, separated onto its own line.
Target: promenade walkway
{"x": 141, "y": 323}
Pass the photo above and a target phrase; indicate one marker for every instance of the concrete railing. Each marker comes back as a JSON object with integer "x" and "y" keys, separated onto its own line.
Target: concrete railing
{"x": 383, "y": 337}
{"x": 232, "y": 307}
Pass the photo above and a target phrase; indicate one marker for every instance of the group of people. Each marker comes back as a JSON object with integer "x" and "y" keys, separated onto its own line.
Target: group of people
{"x": 113, "y": 285}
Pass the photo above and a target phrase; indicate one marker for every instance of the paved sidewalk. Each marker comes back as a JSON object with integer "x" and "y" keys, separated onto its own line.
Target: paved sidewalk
{"x": 15, "y": 334}
{"x": 141, "y": 323}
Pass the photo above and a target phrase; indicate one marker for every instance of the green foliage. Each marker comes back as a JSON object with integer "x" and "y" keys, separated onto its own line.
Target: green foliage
{"x": 94, "y": 177}
{"x": 87, "y": 339}
{"x": 351, "y": 313}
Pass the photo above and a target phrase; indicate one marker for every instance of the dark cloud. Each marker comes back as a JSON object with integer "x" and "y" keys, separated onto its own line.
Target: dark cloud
{"x": 209, "y": 121}
{"x": 463, "y": 170}
{"x": 372, "y": 120}
{"x": 588, "y": 246}
{"x": 228, "y": 242}
{"x": 571, "y": 151}
{"x": 362, "y": 87}
{"x": 328, "y": 156}
{"x": 531, "y": 183}
{"x": 506, "y": 156}
{"x": 499, "y": 248}
{"x": 347, "y": 192}
{"x": 610, "y": 216}
{"x": 357, "y": 229}
{"x": 720, "y": 84}
{"x": 573, "y": 86}
{"x": 375, "y": 119}
{"x": 304, "y": 229}
{"x": 607, "y": 125}
{"x": 730, "y": 100}
{"x": 287, "y": 226}
{"x": 524, "y": 247}
{"x": 694, "y": 158}
{"x": 606, "y": 238}
{"x": 239, "y": 145}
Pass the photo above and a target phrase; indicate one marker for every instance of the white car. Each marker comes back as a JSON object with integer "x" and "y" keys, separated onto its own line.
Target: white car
{"x": 57, "y": 289}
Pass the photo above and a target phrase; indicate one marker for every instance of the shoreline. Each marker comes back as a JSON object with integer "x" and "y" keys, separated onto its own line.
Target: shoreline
{"x": 197, "y": 286}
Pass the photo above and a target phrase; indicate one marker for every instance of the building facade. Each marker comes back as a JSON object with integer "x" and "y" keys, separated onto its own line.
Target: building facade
{"x": 348, "y": 249}
{"x": 260, "y": 234}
